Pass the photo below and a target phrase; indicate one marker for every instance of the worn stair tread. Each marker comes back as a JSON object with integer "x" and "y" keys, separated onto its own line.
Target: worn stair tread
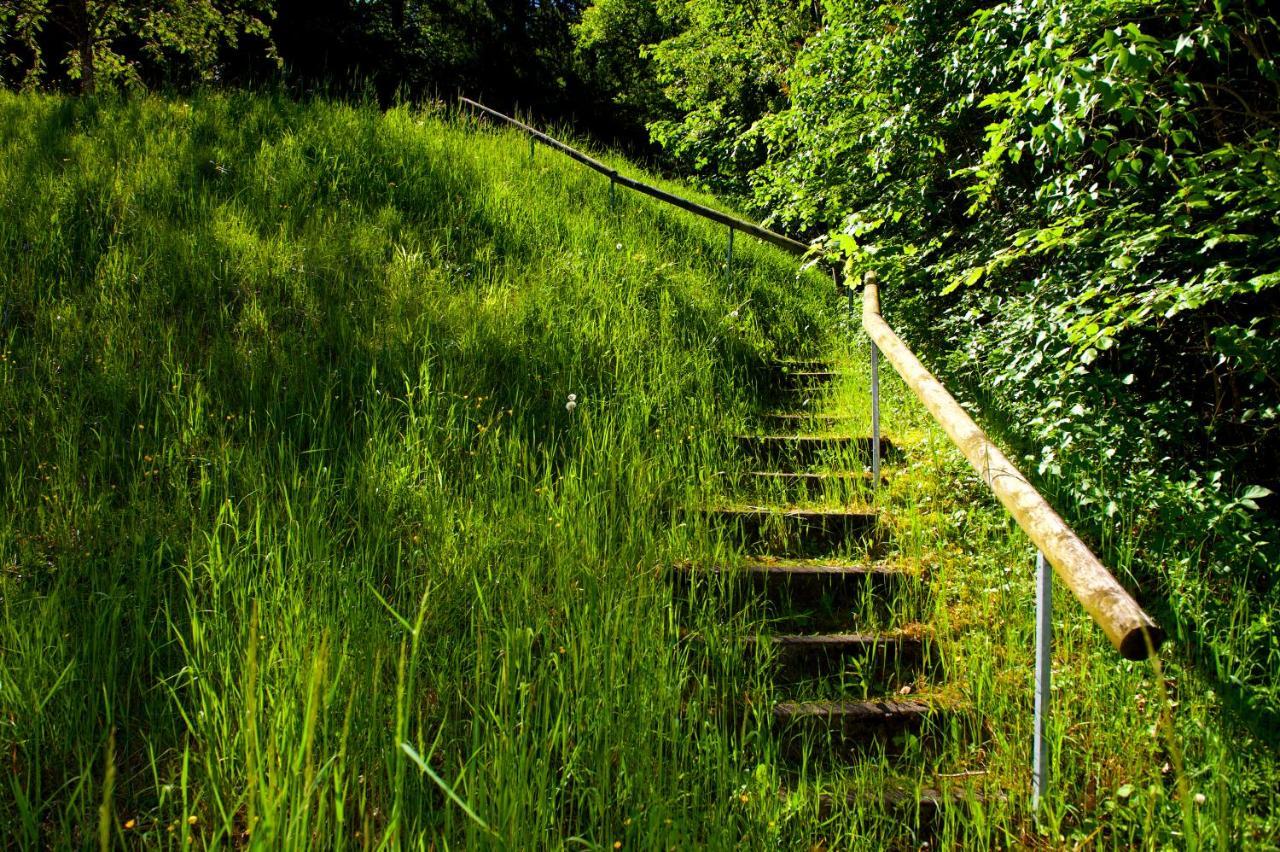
{"x": 804, "y": 364}
{"x": 788, "y": 381}
{"x": 802, "y": 655}
{"x": 793, "y": 417}
{"x": 810, "y": 446}
{"x": 826, "y": 375}
{"x": 785, "y": 438}
{"x": 797, "y": 512}
{"x": 797, "y": 531}
{"x": 850, "y": 713}
{"x": 810, "y": 476}
{"x": 808, "y": 484}
{"x": 802, "y": 568}
{"x": 807, "y": 568}
{"x": 930, "y": 800}
{"x": 909, "y": 635}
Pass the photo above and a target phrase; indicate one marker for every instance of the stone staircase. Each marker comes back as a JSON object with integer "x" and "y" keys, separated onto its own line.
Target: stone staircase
{"x": 805, "y": 516}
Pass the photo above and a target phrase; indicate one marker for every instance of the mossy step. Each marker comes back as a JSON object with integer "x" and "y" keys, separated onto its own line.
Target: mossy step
{"x": 798, "y": 419}
{"x": 824, "y": 592}
{"x": 781, "y": 450}
{"x": 808, "y": 595}
{"x": 817, "y": 586}
{"x": 833, "y": 730}
{"x": 816, "y": 653}
{"x": 928, "y": 803}
{"x": 803, "y": 364}
{"x": 793, "y": 381}
{"x": 807, "y": 483}
{"x": 808, "y": 570}
{"x": 856, "y": 716}
{"x": 789, "y": 531}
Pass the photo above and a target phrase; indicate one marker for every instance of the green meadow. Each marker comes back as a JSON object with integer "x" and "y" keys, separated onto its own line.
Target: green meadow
{"x": 346, "y": 459}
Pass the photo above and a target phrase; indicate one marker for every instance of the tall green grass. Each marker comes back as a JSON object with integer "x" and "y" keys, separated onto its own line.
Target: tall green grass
{"x": 302, "y": 545}
{"x": 300, "y": 542}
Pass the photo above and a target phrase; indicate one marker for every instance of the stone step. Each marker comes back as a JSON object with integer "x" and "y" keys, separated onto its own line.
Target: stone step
{"x": 809, "y": 594}
{"x": 784, "y": 388}
{"x": 797, "y": 531}
{"x": 794, "y": 572}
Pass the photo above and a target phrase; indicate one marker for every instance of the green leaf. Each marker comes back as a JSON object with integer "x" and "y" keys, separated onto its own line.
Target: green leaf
{"x": 445, "y": 788}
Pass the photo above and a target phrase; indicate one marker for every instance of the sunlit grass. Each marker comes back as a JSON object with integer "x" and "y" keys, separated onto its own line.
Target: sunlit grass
{"x": 302, "y": 544}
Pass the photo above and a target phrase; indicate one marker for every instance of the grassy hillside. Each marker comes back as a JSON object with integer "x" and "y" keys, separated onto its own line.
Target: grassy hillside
{"x": 289, "y": 476}
{"x": 343, "y": 461}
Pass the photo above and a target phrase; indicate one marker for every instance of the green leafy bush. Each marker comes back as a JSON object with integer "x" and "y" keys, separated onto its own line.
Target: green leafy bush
{"x": 1075, "y": 207}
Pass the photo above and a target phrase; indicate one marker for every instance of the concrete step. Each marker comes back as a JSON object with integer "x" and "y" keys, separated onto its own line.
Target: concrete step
{"x": 788, "y": 365}
{"x": 788, "y": 379}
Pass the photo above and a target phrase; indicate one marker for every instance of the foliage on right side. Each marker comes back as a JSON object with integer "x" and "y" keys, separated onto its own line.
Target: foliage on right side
{"x": 1076, "y": 207}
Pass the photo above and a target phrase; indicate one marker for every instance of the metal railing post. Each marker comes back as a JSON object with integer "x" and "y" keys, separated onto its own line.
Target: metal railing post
{"x": 875, "y": 416}
{"x": 728, "y": 259}
{"x": 1044, "y": 628}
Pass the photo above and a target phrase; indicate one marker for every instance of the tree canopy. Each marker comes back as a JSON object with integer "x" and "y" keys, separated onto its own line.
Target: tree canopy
{"x": 85, "y": 42}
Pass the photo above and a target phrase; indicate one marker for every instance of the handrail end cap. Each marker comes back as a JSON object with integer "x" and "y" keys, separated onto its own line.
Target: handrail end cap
{"x": 1141, "y": 643}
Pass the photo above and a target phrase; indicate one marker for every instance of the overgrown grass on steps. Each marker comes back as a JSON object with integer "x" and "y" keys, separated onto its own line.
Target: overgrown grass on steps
{"x": 301, "y": 547}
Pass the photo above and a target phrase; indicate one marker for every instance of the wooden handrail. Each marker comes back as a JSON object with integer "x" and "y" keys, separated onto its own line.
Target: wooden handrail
{"x": 782, "y": 242}
{"x": 1130, "y": 630}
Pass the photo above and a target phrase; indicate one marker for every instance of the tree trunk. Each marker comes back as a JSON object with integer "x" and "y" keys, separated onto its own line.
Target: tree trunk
{"x": 84, "y": 46}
